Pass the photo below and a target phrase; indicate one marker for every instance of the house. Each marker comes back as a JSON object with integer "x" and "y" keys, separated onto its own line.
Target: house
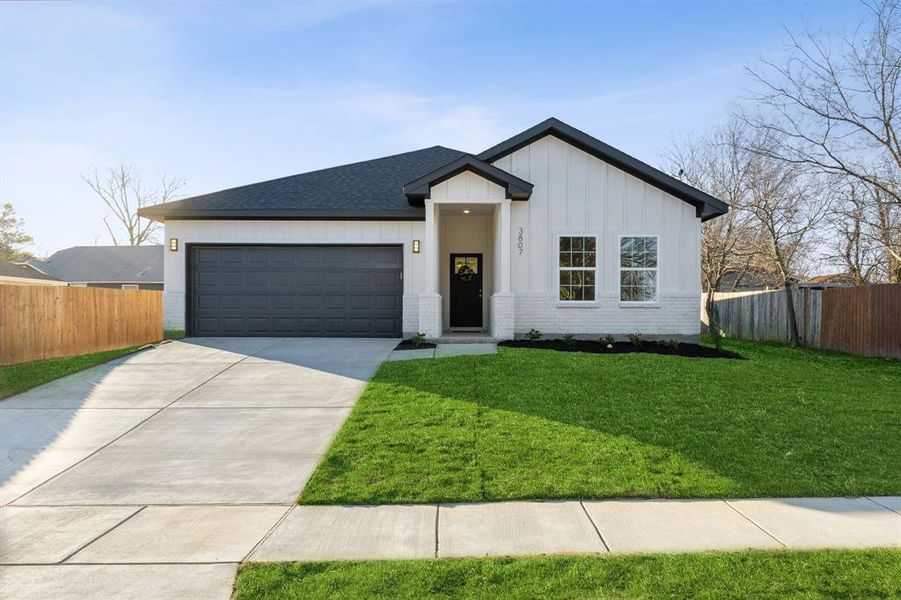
{"x": 121, "y": 267}
{"x": 821, "y": 282}
{"x": 13, "y": 273}
{"x": 551, "y": 229}
{"x": 748, "y": 280}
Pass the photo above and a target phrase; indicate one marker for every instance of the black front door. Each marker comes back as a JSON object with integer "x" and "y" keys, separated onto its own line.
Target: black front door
{"x": 465, "y": 290}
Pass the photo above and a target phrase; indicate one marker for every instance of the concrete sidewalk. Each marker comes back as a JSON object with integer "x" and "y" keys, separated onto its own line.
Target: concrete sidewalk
{"x": 574, "y": 527}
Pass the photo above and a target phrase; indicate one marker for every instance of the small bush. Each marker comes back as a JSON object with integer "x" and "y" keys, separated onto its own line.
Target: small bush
{"x": 418, "y": 340}
{"x": 568, "y": 339}
{"x": 607, "y": 340}
{"x": 671, "y": 344}
{"x": 534, "y": 335}
{"x": 635, "y": 339}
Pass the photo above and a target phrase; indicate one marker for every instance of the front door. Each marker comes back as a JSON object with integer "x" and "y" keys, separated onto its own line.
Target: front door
{"x": 466, "y": 290}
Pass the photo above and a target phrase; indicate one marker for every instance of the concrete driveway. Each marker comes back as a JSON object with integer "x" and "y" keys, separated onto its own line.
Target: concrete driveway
{"x": 188, "y": 453}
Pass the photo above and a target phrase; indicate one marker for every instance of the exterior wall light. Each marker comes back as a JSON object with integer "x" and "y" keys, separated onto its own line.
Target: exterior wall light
{"x": 415, "y": 246}
{"x": 465, "y": 211}
{"x": 173, "y": 244}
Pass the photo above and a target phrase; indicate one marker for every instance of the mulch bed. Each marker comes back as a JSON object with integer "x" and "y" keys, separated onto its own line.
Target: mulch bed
{"x": 596, "y": 347}
{"x": 408, "y": 345}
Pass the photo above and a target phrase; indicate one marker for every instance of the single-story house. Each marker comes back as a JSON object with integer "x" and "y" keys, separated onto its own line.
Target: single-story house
{"x": 119, "y": 267}
{"x": 18, "y": 274}
{"x": 551, "y": 230}
{"x": 831, "y": 280}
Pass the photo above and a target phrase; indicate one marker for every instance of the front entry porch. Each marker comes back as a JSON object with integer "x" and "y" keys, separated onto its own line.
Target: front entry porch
{"x": 467, "y": 251}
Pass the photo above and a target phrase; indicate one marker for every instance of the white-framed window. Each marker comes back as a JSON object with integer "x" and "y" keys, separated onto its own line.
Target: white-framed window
{"x": 129, "y": 286}
{"x": 638, "y": 268}
{"x": 577, "y": 268}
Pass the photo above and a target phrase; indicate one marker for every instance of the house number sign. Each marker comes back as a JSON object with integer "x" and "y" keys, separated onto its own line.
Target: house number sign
{"x": 521, "y": 239}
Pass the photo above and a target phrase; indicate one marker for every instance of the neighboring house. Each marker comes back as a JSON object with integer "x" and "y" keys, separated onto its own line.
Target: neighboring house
{"x": 121, "y": 267}
{"x": 550, "y": 229}
{"x": 25, "y": 275}
{"x": 748, "y": 280}
{"x": 829, "y": 281}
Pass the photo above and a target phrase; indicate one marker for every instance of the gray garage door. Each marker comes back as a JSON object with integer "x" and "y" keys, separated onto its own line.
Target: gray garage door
{"x": 327, "y": 291}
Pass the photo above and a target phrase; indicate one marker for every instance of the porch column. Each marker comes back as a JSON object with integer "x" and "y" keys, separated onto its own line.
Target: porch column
{"x": 505, "y": 247}
{"x": 430, "y": 299}
{"x": 502, "y": 304}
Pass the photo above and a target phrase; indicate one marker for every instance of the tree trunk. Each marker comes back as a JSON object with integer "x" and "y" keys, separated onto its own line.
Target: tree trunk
{"x": 793, "y": 338}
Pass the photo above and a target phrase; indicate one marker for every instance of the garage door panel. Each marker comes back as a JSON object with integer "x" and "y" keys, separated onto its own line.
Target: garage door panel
{"x": 296, "y": 290}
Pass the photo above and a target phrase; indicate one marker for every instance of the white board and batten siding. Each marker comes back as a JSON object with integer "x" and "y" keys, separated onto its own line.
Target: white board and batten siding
{"x": 577, "y": 194}
{"x": 290, "y": 232}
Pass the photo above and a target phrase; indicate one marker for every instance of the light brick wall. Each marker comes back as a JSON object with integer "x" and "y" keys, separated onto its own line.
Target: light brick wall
{"x": 430, "y": 315}
{"x": 675, "y": 315}
{"x": 502, "y": 308}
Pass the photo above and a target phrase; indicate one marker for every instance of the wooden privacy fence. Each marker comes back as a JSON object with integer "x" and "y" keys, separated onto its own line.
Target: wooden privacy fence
{"x": 863, "y": 320}
{"x": 38, "y": 322}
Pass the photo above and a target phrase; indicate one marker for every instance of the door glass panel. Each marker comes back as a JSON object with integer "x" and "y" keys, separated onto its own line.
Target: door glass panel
{"x": 469, "y": 261}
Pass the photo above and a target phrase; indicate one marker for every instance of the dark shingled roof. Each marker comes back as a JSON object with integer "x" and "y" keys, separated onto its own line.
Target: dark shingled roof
{"x": 372, "y": 189}
{"x": 112, "y": 264}
{"x": 8, "y": 269}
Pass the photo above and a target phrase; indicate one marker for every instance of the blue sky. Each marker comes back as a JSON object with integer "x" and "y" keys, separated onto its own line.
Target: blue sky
{"x": 227, "y": 93}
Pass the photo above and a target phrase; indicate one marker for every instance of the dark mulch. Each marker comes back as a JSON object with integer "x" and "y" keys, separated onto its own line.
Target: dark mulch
{"x": 596, "y": 347}
{"x": 408, "y": 345}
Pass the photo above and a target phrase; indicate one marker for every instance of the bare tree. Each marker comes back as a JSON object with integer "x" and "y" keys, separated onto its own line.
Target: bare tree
{"x": 719, "y": 164}
{"x": 787, "y": 205}
{"x": 123, "y": 193}
{"x": 12, "y": 235}
{"x": 853, "y": 246}
{"x": 835, "y": 106}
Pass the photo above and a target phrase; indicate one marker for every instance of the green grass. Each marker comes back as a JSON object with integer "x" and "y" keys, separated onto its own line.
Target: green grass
{"x": 173, "y": 334}
{"x": 822, "y": 574}
{"x": 542, "y": 424}
{"x": 18, "y": 378}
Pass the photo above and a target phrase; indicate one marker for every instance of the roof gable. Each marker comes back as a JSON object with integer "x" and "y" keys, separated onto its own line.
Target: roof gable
{"x": 706, "y": 206}
{"x": 514, "y": 187}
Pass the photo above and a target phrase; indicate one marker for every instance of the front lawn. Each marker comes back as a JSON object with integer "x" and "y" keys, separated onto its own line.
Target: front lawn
{"x": 18, "y": 378}
{"x": 823, "y": 574}
{"x": 531, "y": 423}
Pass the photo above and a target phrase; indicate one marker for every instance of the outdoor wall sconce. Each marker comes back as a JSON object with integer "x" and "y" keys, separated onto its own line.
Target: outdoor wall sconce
{"x": 415, "y": 246}
{"x": 173, "y": 244}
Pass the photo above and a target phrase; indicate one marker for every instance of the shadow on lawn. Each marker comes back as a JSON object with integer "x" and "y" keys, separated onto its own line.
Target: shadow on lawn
{"x": 770, "y": 425}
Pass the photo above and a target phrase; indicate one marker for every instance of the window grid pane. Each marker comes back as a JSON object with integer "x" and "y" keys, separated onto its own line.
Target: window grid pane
{"x": 577, "y": 261}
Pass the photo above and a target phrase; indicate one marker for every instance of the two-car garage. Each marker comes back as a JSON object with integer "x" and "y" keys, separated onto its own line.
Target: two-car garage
{"x": 294, "y": 290}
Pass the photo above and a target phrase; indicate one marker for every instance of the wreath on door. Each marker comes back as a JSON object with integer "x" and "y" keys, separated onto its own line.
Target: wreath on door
{"x": 465, "y": 273}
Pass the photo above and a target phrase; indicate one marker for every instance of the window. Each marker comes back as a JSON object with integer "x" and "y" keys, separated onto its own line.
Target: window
{"x": 638, "y": 269}
{"x": 129, "y": 286}
{"x": 576, "y": 263}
